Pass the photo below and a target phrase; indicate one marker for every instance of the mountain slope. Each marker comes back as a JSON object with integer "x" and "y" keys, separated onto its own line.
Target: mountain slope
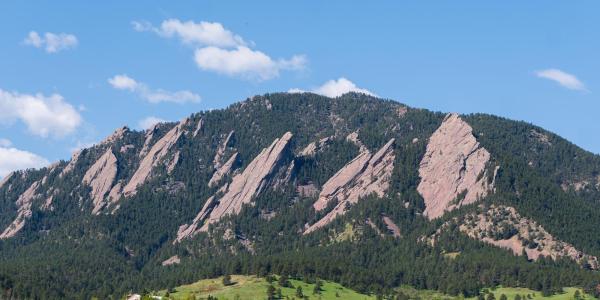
{"x": 284, "y": 183}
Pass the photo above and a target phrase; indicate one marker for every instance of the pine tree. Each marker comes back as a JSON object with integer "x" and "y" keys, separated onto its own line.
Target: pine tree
{"x": 270, "y": 292}
{"x": 299, "y": 293}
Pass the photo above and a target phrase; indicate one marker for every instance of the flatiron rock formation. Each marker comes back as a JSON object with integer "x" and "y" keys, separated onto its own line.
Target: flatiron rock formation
{"x": 100, "y": 177}
{"x": 115, "y": 136}
{"x": 217, "y": 162}
{"x": 314, "y": 147}
{"x": 155, "y": 155}
{"x": 198, "y": 127}
{"x": 453, "y": 169}
{"x": 223, "y": 170}
{"x": 6, "y": 179}
{"x": 24, "y": 203}
{"x": 71, "y": 165}
{"x": 366, "y": 174}
{"x": 242, "y": 189}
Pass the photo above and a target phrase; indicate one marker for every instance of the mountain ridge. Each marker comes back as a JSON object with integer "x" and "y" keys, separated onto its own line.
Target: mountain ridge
{"x": 281, "y": 173}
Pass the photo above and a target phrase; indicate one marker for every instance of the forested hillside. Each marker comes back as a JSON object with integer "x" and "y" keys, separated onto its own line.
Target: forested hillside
{"x": 362, "y": 191}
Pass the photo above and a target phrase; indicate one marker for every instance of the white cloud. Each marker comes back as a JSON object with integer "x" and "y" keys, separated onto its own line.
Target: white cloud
{"x": 563, "y": 78}
{"x": 189, "y": 32}
{"x": 222, "y": 51}
{"x": 124, "y": 82}
{"x": 336, "y": 88}
{"x": 148, "y": 122}
{"x": 52, "y": 42}
{"x": 244, "y": 62}
{"x": 43, "y": 115}
{"x": 12, "y": 159}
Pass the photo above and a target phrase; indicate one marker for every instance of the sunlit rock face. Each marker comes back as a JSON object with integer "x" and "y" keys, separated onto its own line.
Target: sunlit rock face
{"x": 453, "y": 169}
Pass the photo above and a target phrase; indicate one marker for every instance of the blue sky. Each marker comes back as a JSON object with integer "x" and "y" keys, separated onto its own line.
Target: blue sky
{"x": 71, "y": 72}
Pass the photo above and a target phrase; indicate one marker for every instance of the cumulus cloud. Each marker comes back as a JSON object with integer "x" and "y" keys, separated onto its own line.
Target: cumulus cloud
{"x": 124, "y": 82}
{"x": 222, "y": 51}
{"x": 44, "y": 115}
{"x": 148, "y": 122}
{"x": 244, "y": 62}
{"x": 336, "y": 88}
{"x": 189, "y": 32}
{"x": 564, "y": 79}
{"x": 12, "y": 159}
{"x": 51, "y": 42}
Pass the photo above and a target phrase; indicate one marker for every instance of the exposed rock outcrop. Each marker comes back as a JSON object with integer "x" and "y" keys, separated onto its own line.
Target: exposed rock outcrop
{"x": 217, "y": 161}
{"x": 314, "y": 147}
{"x": 6, "y": 179}
{"x": 149, "y": 136}
{"x": 307, "y": 190}
{"x": 100, "y": 177}
{"x": 540, "y": 137}
{"x": 392, "y": 227}
{"x": 173, "y": 163}
{"x": 502, "y": 226}
{"x": 173, "y": 260}
{"x": 115, "y": 136}
{"x": 71, "y": 165}
{"x": 242, "y": 189}
{"x": 223, "y": 170}
{"x": 24, "y": 203}
{"x": 154, "y": 157}
{"x": 453, "y": 169}
{"x": 353, "y": 137}
{"x": 126, "y": 148}
{"x": 366, "y": 174}
{"x": 115, "y": 192}
{"x": 198, "y": 127}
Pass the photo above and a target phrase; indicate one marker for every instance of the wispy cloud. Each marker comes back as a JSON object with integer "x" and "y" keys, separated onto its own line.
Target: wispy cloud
{"x": 148, "y": 122}
{"x": 44, "y": 115}
{"x": 221, "y": 51}
{"x": 51, "y": 42}
{"x": 335, "y": 88}
{"x": 124, "y": 82}
{"x": 12, "y": 159}
{"x": 564, "y": 79}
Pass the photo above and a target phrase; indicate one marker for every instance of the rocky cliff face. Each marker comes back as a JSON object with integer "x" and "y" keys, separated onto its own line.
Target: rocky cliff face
{"x": 24, "y": 204}
{"x": 154, "y": 157}
{"x": 6, "y": 179}
{"x": 453, "y": 169}
{"x": 223, "y": 170}
{"x": 100, "y": 178}
{"x": 364, "y": 175}
{"x": 242, "y": 189}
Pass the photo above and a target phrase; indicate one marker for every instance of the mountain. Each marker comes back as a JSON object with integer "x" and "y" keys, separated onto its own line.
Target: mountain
{"x": 355, "y": 189}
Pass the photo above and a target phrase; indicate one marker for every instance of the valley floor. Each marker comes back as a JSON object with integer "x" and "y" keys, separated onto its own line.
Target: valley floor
{"x": 252, "y": 287}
